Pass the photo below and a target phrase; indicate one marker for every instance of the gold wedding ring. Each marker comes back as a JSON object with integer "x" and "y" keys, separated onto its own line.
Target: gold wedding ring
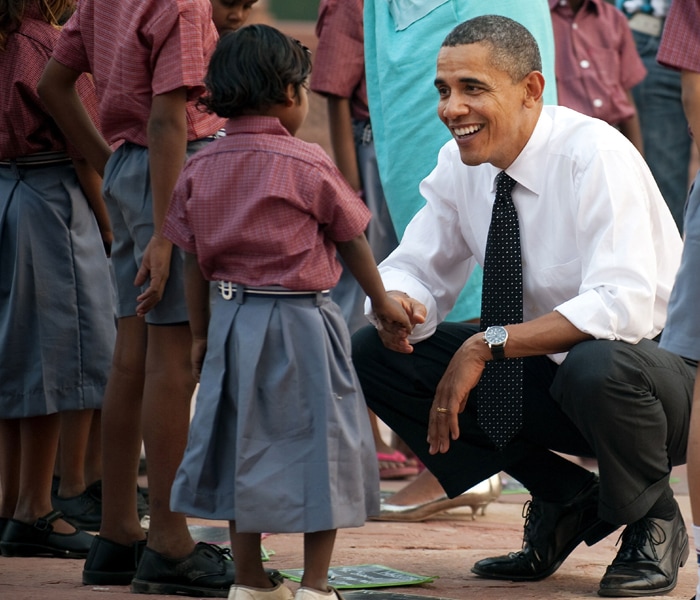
{"x": 440, "y": 409}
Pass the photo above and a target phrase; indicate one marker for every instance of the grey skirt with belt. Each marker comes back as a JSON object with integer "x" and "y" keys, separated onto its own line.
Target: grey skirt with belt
{"x": 57, "y": 326}
{"x": 280, "y": 440}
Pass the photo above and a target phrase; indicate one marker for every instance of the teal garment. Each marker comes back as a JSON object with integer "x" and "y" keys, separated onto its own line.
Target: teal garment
{"x": 402, "y": 41}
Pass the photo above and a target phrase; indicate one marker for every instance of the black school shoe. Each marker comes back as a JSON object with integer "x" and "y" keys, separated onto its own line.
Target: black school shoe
{"x": 207, "y": 572}
{"x": 109, "y": 563}
{"x": 39, "y": 539}
{"x": 82, "y": 511}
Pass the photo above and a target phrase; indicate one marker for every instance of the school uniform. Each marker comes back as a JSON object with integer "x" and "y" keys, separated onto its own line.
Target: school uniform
{"x": 280, "y": 440}
{"x": 56, "y": 312}
{"x": 169, "y": 49}
{"x": 597, "y": 62}
{"x": 339, "y": 70}
{"x": 679, "y": 50}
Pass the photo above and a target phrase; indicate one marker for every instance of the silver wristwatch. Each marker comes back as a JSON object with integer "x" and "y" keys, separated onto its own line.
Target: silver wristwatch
{"x": 496, "y": 338}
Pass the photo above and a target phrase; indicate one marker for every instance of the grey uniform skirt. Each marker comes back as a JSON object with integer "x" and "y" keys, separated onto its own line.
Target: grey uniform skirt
{"x": 682, "y": 332}
{"x": 280, "y": 440}
{"x": 57, "y": 326}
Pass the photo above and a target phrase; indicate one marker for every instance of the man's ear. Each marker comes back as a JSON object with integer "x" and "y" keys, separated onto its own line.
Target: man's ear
{"x": 534, "y": 88}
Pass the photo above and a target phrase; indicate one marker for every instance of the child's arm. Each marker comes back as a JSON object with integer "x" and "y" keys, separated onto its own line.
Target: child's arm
{"x": 631, "y": 128}
{"x": 167, "y": 146}
{"x": 57, "y": 91}
{"x": 342, "y": 140}
{"x": 197, "y": 297}
{"x": 91, "y": 183}
{"x": 391, "y": 315}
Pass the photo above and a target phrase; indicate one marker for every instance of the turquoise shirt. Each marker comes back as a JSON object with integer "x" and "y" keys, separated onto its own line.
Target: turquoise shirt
{"x": 402, "y": 41}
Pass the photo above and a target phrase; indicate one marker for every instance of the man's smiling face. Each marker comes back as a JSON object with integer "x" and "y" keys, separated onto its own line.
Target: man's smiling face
{"x": 481, "y": 106}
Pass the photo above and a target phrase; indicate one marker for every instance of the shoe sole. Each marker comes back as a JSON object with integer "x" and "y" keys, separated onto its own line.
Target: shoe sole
{"x": 590, "y": 536}
{"x": 25, "y": 550}
{"x": 622, "y": 593}
{"x": 139, "y": 586}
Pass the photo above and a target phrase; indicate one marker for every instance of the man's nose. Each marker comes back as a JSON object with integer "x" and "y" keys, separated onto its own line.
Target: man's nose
{"x": 453, "y": 106}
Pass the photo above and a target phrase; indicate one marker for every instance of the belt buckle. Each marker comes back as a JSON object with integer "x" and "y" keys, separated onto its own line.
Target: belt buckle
{"x": 648, "y": 24}
{"x": 226, "y": 289}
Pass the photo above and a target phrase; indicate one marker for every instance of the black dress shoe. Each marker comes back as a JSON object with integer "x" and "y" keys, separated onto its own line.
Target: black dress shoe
{"x": 207, "y": 572}
{"x": 39, "y": 539}
{"x": 109, "y": 563}
{"x": 81, "y": 511}
{"x": 651, "y": 552}
{"x": 552, "y": 531}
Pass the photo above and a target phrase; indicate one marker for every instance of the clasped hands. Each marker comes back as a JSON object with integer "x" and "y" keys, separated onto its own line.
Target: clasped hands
{"x": 461, "y": 376}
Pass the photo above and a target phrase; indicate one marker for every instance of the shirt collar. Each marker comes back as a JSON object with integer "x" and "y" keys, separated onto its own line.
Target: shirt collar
{"x": 255, "y": 124}
{"x": 528, "y": 169}
{"x": 590, "y": 5}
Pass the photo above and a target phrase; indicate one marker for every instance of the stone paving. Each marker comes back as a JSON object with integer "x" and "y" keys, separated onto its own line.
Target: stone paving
{"x": 444, "y": 547}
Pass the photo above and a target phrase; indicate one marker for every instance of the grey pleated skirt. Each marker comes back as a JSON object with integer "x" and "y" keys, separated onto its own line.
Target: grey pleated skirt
{"x": 57, "y": 326}
{"x": 682, "y": 332}
{"x": 280, "y": 440}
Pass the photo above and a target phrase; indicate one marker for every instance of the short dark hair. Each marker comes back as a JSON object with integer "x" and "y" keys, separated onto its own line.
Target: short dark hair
{"x": 251, "y": 69}
{"x": 513, "y": 48}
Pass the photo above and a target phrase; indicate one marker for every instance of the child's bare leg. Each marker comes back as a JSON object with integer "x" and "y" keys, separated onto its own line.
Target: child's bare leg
{"x": 121, "y": 434}
{"x": 245, "y": 548}
{"x": 9, "y": 466}
{"x": 693, "y": 469}
{"x": 38, "y": 447}
{"x": 318, "y": 549}
{"x": 168, "y": 390}
{"x": 73, "y": 442}
{"x": 93, "y": 452}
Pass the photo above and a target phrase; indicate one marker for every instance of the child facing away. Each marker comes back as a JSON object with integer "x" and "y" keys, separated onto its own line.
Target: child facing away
{"x": 56, "y": 315}
{"x": 148, "y": 60}
{"x": 280, "y": 440}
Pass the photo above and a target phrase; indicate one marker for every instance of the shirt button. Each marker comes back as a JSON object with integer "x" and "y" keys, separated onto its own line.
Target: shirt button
{"x": 597, "y": 103}
{"x": 584, "y": 64}
{"x": 574, "y": 26}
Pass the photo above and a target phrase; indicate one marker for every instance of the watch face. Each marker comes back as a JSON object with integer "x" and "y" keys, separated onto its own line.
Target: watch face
{"x": 496, "y": 335}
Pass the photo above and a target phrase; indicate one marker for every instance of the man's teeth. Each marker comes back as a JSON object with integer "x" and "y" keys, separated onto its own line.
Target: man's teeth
{"x": 467, "y": 130}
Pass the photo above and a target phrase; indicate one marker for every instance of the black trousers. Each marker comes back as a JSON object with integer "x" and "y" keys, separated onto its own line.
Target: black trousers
{"x": 628, "y": 406}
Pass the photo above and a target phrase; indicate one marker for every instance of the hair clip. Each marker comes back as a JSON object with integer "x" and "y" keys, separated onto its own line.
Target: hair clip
{"x": 302, "y": 46}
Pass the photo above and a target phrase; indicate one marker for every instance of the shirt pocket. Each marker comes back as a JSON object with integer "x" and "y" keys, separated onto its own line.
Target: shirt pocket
{"x": 406, "y": 12}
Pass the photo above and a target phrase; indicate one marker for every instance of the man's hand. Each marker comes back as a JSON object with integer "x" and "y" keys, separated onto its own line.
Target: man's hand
{"x": 396, "y": 338}
{"x": 460, "y": 378}
{"x": 155, "y": 268}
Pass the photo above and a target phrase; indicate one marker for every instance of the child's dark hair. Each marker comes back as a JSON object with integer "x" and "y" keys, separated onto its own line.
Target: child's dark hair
{"x": 251, "y": 70}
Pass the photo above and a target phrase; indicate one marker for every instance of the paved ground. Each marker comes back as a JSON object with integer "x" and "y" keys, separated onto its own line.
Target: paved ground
{"x": 444, "y": 547}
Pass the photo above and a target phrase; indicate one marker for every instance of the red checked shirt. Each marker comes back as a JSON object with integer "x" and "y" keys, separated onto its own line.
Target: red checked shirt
{"x": 25, "y": 127}
{"x": 680, "y": 43}
{"x": 261, "y": 207}
{"x": 339, "y": 63}
{"x": 136, "y": 49}
{"x": 596, "y": 59}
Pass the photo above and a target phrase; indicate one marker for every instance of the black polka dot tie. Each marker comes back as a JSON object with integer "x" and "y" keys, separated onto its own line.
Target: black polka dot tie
{"x": 500, "y": 391}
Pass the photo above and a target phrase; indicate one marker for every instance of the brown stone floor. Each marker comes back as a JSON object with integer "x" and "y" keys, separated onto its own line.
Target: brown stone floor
{"x": 444, "y": 547}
